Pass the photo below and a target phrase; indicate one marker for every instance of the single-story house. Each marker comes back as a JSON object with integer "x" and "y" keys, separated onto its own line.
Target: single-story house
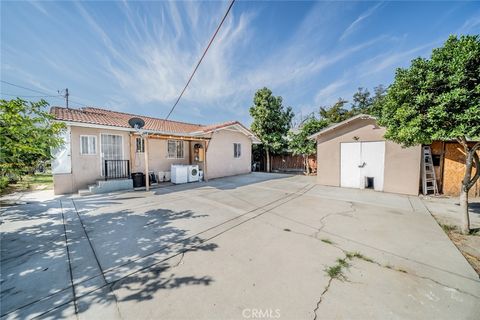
{"x": 353, "y": 153}
{"x": 101, "y": 145}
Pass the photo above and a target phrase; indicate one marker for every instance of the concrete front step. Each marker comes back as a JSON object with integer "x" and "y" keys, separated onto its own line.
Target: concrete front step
{"x": 84, "y": 192}
{"x": 111, "y": 186}
{"x": 106, "y": 186}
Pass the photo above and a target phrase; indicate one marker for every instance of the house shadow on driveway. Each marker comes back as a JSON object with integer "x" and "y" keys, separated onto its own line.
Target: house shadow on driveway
{"x": 226, "y": 183}
{"x": 107, "y": 251}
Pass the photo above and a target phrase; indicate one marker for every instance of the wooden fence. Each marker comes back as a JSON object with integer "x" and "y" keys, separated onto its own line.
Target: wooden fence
{"x": 291, "y": 163}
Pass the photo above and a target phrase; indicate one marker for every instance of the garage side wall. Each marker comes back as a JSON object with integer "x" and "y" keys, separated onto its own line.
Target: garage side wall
{"x": 220, "y": 158}
{"x": 402, "y": 169}
{"x": 402, "y": 166}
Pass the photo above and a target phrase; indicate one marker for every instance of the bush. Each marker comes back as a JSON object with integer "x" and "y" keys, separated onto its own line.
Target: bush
{"x": 3, "y": 183}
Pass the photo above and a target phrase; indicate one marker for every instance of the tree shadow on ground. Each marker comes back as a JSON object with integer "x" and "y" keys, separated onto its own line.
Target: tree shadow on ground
{"x": 132, "y": 254}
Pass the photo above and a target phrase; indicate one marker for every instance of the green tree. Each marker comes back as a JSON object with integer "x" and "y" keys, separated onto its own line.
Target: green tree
{"x": 337, "y": 112}
{"x": 300, "y": 144}
{"x": 271, "y": 121}
{"x": 361, "y": 101}
{"x": 439, "y": 99}
{"x": 364, "y": 102}
{"x": 26, "y": 137}
{"x": 377, "y": 101}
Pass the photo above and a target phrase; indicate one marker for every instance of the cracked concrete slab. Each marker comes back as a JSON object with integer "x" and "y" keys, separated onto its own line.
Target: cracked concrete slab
{"x": 376, "y": 292}
{"x": 230, "y": 247}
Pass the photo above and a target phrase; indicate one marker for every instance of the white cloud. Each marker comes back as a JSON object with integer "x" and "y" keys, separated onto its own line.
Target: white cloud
{"x": 330, "y": 92}
{"x": 39, "y": 7}
{"x": 151, "y": 59}
{"x": 352, "y": 27}
{"x": 394, "y": 59}
{"x": 471, "y": 25}
{"x": 158, "y": 58}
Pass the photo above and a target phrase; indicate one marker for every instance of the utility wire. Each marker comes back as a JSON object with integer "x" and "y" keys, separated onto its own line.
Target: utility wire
{"x": 43, "y": 93}
{"x": 200, "y": 61}
{"x": 23, "y": 96}
{"x": 18, "y": 86}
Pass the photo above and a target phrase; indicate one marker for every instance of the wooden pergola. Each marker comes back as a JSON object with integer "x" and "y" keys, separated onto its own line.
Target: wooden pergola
{"x": 147, "y": 136}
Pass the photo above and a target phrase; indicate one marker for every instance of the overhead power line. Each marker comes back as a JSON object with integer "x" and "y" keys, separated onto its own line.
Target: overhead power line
{"x": 61, "y": 96}
{"x": 201, "y": 58}
{"x": 18, "y": 86}
{"x": 24, "y": 96}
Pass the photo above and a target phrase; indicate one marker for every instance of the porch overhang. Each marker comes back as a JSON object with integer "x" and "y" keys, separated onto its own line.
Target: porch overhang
{"x": 163, "y": 136}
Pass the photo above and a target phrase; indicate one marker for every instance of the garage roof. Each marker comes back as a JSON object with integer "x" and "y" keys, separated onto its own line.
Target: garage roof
{"x": 341, "y": 124}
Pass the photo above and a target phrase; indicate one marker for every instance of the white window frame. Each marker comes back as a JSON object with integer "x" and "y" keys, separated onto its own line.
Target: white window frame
{"x": 102, "y": 164}
{"x": 237, "y": 151}
{"x": 182, "y": 143}
{"x": 88, "y": 145}
{"x": 142, "y": 145}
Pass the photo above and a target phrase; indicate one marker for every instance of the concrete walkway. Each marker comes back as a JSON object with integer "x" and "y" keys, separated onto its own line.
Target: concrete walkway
{"x": 253, "y": 246}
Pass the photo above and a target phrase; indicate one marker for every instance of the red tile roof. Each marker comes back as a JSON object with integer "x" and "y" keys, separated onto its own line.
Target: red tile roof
{"x": 120, "y": 119}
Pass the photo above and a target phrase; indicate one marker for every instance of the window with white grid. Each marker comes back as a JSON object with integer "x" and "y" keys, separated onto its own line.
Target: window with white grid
{"x": 237, "y": 150}
{"x": 88, "y": 145}
{"x": 140, "y": 145}
{"x": 175, "y": 149}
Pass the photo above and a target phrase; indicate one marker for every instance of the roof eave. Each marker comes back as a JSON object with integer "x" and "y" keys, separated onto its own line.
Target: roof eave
{"x": 237, "y": 124}
{"x": 340, "y": 124}
{"x": 102, "y": 126}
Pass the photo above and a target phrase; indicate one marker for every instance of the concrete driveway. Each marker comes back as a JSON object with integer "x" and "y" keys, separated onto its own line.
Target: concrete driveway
{"x": 246, "y": 247}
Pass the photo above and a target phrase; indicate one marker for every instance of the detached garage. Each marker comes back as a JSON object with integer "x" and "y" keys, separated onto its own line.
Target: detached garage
{"x": 354, "y": 154}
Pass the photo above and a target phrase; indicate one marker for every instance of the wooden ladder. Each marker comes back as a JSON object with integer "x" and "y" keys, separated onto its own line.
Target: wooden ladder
{"x": 429, "y": 180}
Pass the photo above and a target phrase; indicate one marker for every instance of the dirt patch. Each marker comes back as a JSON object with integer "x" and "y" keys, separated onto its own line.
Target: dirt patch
{"x": 469, "y": 245}
{"x": 34, "y": 182}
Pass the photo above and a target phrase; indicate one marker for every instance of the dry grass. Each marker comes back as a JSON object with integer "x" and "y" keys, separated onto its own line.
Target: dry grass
{"x": 464, "y": 243}
{"x": 39, "y": 181}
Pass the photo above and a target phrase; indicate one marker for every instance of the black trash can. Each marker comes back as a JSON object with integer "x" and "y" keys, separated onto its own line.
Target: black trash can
{"x": 138, "y": 179}
{"x": 152, "y": 178}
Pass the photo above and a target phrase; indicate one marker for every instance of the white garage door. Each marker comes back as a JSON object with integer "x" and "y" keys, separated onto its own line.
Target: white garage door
{"x": 362, "y": 160}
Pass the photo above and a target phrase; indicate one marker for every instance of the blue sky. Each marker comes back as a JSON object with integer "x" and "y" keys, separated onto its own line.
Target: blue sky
{"x": 136, "y": 56}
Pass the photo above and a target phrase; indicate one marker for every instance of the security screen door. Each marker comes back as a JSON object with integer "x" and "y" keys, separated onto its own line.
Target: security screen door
{"x": 111, "y": 149}
{"x": 359, "y": 160}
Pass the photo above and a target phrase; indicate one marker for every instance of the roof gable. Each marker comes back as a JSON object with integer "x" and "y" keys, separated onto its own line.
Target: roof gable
{"x": 341, "y": 125}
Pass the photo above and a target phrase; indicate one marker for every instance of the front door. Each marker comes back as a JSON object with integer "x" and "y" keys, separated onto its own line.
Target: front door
{"x": 111, "y": 149}
{"x": 360, "y": 161}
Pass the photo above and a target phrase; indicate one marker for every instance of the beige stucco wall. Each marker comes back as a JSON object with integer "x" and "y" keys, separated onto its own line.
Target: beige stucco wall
{"x": 220, "y": 159}
{"x": 157, "y": 156}
{"x": 86, "y": 169}
{"x": 402, "y": 165}
{"x": 63, "y": 183}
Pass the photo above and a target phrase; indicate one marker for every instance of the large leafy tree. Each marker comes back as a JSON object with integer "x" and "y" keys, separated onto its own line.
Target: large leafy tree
{"x": 361, "y": 101}
{"x": 27, "y": 133}
{"x": 300, "y": 144}
{"x": 364, "y": 102}
{"x": 271, "y": 121}
{"x": 439, "y": 99}
{"x": 337, "y": 112}
{"x": 375, "y": 108}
